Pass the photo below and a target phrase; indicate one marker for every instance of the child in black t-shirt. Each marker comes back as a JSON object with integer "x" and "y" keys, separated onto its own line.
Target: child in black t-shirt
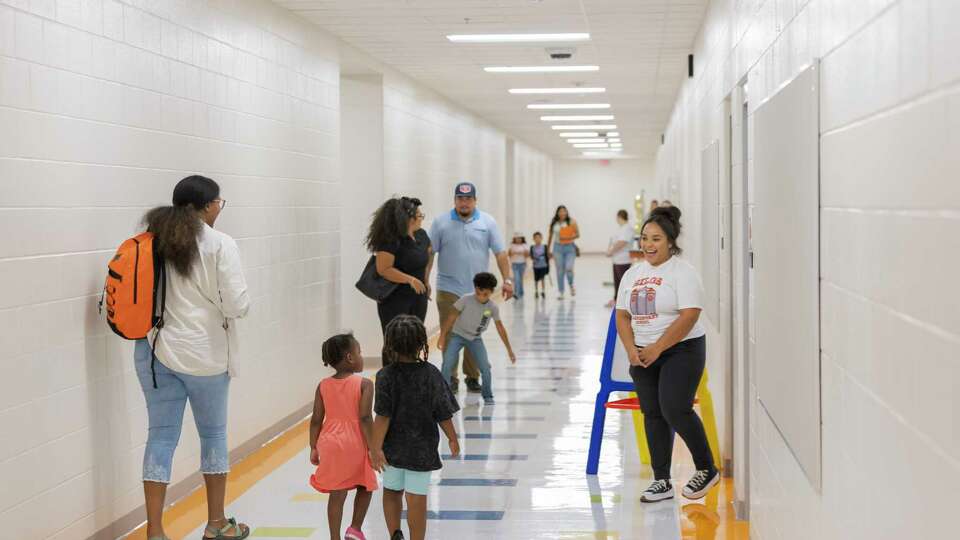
{"x": 411, "y": 399}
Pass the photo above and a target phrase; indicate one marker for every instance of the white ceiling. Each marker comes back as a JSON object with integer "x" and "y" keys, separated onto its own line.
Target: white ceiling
{"x": 641, "y": 47}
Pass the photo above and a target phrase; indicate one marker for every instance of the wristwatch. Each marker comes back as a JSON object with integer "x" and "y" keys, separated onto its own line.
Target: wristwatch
{"x": 510, "y": 281}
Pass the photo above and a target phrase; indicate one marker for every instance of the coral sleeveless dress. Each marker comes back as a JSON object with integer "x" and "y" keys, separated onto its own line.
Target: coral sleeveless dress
{"x": 344, "y": 459}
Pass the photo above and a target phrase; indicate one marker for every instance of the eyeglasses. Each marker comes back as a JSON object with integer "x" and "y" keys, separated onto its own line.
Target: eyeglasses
{"x": 221, "y": 202}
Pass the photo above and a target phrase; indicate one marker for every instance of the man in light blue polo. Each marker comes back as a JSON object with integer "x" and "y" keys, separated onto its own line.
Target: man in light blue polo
{"x": 463, "y": 240}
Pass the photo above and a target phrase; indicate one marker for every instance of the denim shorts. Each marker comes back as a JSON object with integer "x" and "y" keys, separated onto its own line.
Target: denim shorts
{"x": 416, "y": 482}
{"x": 165, "y": 407}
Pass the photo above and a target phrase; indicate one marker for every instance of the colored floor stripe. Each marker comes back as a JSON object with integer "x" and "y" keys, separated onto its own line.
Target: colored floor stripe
{"x": 462, "y": 515}
{"x": 486, "y": 457}
{"x": 309, "y": 497}
{"x": 477, "y": 482}
{"x": 282, "y": 532}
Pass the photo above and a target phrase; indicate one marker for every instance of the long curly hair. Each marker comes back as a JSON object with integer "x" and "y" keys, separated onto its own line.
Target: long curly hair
{"x": 406, "y": 336}
{"x": 176, "y": 228}
{"x": 391, "y": 222}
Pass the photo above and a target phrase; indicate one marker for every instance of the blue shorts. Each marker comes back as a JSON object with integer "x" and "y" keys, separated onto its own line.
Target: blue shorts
{"x": 416, "y": 482}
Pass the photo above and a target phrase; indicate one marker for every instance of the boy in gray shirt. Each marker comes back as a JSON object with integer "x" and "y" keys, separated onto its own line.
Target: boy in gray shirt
{"x": 471, "y": 317}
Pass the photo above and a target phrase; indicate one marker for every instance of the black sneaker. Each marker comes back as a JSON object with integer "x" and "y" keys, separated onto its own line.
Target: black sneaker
{"x": 397, "y": 535}
{"x": 659, "y": 490}
{"x": 473, "y": 385}
{"x": 700, "y": 484}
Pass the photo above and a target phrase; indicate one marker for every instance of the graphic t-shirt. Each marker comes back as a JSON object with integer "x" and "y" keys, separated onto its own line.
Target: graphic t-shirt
{"x": 539, "y": 255}
{"x": 474, "y": 317}
{"x": 415, "y": 398}
{"x": 654, "y": 296}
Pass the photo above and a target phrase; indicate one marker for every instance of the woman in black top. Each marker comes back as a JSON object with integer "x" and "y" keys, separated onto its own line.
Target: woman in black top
{"x": 404, "y": 256}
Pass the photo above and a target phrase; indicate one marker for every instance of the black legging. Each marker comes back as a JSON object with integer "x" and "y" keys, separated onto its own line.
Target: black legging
{"x": 666, "y": 391}
{"x": 401, "y": 302}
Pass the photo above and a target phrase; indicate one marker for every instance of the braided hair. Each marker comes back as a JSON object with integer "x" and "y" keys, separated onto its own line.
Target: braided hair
{"x": 407, "y": 337}
{"x": 336, "y": 348}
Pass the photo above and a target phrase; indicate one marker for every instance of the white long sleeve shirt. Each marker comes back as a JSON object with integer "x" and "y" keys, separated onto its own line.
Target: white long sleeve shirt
{"x": 198, "y": 335}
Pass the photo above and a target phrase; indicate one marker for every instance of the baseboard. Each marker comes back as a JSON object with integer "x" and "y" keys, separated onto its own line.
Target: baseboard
{"x": 741, "y": 510}
{"x": 175, "y": 492}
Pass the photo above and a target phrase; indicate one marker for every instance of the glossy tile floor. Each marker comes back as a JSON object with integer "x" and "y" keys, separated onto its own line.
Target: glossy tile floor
{"x": 522, "y": 474}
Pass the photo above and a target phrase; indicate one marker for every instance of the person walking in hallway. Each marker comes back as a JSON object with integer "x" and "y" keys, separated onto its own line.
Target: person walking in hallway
{"x": 404, "y": 256}
{"x": 463, "y": 240}
{"x": 658, "y": 321}
{"x": 563, "y": 232}
{"x": 195, "y": 352}
{"x": 519, "y": 253}
{"x": 619, "y": 251}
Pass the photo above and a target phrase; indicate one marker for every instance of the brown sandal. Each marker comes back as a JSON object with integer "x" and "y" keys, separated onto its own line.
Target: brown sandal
{"x": 231, "y": 524}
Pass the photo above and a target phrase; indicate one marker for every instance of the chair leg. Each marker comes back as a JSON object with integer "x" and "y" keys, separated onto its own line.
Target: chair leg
{"x": 640, "y": 432}
{"x": 596, "y": 434}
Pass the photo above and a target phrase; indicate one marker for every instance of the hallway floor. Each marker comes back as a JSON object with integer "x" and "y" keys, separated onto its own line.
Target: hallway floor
{"x": 522, "y": 474}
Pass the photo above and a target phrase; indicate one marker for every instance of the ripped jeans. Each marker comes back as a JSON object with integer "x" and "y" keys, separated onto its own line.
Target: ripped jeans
{"x": 165, "y": 408}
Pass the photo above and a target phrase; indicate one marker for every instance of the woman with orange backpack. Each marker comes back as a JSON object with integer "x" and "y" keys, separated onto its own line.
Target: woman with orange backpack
{"x": 188, "y": 357}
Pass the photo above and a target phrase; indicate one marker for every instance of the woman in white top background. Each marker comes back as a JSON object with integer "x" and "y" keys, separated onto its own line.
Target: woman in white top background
{"x": 658, "y": 311}
{"x": 619, "y": 251}
{"x": 206, "y": 290}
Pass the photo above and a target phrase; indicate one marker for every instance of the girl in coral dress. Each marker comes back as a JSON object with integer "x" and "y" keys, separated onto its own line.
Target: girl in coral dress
{"x": 340, "y": 434}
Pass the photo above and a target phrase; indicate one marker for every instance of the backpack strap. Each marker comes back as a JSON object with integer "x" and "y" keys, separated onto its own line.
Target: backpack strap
{"x": 159, "y": 325}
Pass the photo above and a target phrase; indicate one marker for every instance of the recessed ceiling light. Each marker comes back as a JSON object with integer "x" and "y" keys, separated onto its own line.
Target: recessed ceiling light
{"x": 516, "y": 38}
{"x": 577, "y": 118}
{"x": 615, "y": 139}
{"x": 613, "y": 134}
{"x": 571, "y": 90}
{"x": 574, "y": 141}
{"x": 616, "y": 145}
{"x": 549, "y": 106}
{"x": 584, "y": 126}
{"x": 603, "y": 153}
{"x": 592, "y": 145}
{"x": 539, "y": 69}
{"x": 581, "y": 134}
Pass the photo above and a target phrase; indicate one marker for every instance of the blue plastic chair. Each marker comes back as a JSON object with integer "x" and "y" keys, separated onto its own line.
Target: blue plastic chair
{"x": 607, "y": 386}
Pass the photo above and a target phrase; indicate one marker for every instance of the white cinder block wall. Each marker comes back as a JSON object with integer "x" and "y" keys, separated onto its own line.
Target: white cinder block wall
{"x": 104, "y": 105}
{"x": 890, "y": 127}
{"x": 593, "y": 191}
{"x": 533, "y": 191}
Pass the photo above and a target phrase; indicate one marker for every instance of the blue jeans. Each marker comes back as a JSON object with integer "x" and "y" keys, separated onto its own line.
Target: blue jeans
{"x": 165, "y": 407}
{"x": 519, "y": 269}
{"x": 479, "y": 351}
{"x": 564, "y": 255}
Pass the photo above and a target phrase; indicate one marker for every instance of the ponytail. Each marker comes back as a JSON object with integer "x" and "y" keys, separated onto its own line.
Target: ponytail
{"x": 175, "y": 230}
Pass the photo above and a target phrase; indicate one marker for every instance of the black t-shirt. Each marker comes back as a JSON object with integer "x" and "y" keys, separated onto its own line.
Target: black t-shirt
{"x": 415, "y": 398}
{"x": 411, "y": 256}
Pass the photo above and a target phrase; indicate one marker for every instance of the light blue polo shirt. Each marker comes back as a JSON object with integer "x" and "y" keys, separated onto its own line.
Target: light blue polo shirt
{"x": 463, "y": 249}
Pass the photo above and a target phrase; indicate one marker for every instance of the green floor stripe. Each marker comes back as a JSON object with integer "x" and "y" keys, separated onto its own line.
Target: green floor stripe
{"x": 282, "y": 532}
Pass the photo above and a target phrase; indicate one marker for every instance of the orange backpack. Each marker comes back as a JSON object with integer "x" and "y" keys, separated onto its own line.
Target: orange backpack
{"x": 135, "y": 277}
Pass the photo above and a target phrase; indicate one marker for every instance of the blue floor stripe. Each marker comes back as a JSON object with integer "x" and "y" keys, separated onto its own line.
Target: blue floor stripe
{"x": 490, "y": 418}
{"x": 485, "y": 457}
{"x": 462, "y": 515}
{"x": 477, "y": 482}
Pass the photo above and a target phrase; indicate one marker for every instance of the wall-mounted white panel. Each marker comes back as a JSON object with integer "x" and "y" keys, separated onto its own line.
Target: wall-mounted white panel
{"x": 786, "y": 231}
{"x": 710, "y": 228}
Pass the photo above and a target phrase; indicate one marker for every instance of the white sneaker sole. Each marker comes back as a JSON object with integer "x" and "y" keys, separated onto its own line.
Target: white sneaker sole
{"x": 694, "y": 496}
{"x": 656, "y": 498}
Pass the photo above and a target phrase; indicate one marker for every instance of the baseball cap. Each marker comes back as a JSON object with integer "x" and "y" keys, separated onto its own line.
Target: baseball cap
{"x": 465, "y": 189}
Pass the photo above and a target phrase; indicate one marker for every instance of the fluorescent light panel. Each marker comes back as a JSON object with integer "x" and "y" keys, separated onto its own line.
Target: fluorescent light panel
{"x": 574, "y": 90}
{"x": 575, "y": 141}
{"x": 540, "y": 69}
{"x": 616, "y": 145}
{"x": 552, "y": 106}
{"x": 614, "y": 139}
{"x": 604, "y": 153}
{"x": 584, "y": 126}
{"x": 517, "y": 38}
{"x": 590, "y": 146}
{"x": 577, "y": 118}
{"x": 613, "y": 134}
{"x": 581, "y": 134}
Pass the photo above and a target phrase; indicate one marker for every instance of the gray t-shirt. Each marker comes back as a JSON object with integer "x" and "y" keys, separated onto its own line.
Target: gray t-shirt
{"x": 474, "y": 316}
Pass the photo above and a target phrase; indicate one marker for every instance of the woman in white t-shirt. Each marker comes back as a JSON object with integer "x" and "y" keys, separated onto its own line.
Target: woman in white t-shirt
{"x": 658, "y": 312}
{"x": 195, "y": 352}
{"x": 619, "y": 251}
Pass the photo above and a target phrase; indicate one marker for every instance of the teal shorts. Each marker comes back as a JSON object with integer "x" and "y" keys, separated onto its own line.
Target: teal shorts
{"x": 416, "y": 482}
